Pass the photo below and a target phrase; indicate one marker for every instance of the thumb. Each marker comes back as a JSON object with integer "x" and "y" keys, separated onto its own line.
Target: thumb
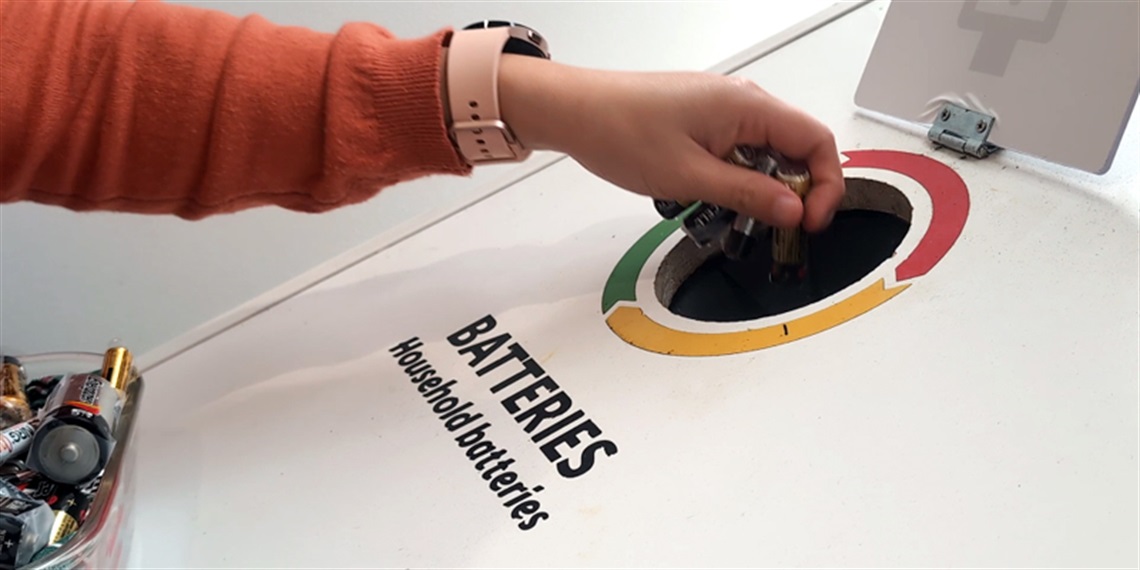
{"x": 745, "y": 191}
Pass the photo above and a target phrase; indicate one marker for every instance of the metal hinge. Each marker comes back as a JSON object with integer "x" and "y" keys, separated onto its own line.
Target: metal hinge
{"x": 963, "y": 130}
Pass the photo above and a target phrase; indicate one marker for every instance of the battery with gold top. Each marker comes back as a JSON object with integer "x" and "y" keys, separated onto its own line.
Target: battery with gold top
{"x": 789, "y": 245}
{"x": 14, "y": 407}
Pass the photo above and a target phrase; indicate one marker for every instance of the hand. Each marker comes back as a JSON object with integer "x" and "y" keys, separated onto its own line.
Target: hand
{"x": 665, "y": 135}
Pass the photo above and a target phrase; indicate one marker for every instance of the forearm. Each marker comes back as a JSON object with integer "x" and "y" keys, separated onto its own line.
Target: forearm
{"x": 156, "y": 108}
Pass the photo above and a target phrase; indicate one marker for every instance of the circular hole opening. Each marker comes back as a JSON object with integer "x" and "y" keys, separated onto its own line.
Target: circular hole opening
{"x": 704, "y": 285}
{"x": 474, "y": 117}
{"x": 472, "y": 104}
{"x": 480, "y": 141}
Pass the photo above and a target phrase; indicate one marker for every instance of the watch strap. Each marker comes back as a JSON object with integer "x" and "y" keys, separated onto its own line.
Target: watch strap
{"x": 477, "y": 125}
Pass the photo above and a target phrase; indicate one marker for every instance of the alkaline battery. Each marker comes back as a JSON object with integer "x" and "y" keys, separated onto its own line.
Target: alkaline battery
{"x": 14, "y": 407}
{"x": 37, "y": 391}
{"x": 76, "y": 436}
{"x": 37, "y": 486}
{"x": 11, "y": 490}
{"x": 118, "y": 367}
{"x": 25, "y": 527}
{"x": 14, "y": 440}
{"x": 789, "y": 245}
{"x": 70, "y": 511}
{"x": 70, "y": 504}
{"x": 707, "y": 224}
{"x": 18, "y": 474}
{"x": 738, "y": 242}
{"x": 734, "y": 233}
{"x": 669, "y": 209}
{"x": 742, "y": 235}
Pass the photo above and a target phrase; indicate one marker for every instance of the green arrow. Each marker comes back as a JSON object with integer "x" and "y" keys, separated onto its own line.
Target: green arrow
{"x": 622, "y": 283}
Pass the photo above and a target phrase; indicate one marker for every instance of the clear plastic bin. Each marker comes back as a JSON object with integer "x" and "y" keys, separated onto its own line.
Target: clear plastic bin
{"x": 104, "y": 539}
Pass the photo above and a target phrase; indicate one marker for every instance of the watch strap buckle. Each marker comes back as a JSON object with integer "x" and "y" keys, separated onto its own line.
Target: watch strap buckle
{"x": 487, "y": 141}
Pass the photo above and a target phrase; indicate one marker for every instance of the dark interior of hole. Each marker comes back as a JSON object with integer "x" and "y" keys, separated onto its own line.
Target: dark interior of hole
{"x": 725, "y": 290}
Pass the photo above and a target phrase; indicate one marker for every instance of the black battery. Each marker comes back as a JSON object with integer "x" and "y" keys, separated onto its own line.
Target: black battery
{"x": 38, "y": 391}
{"x": 76, "y": 436}
{"x": 25, "y": 527}
{"x": 70, "y": 504}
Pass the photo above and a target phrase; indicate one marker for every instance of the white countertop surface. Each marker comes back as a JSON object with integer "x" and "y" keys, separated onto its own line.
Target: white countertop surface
{"x": 986, "y": 415}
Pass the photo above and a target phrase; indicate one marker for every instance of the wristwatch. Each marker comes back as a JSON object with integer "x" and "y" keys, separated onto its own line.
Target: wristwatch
{"x": 472, "y": 78}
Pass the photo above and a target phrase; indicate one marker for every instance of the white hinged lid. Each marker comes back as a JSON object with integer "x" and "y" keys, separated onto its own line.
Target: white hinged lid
{"x": 1058, "y": 78}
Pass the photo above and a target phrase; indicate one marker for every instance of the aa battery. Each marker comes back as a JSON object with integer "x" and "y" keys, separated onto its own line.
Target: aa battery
{"x": 738, "y": 242}
{"x": 38, "y": 390}
{"x": 742, "y": 235}
{"x": 789, "y": 245}
{"x": 734, "y": 233}
{"x": 708, "y": 224}
{"x": 75, "y": 438}
{"x": 7, "y": 359}
{"x": 669, "y": 209}
{"x": 15, "y": 440}
{"x": 117, "y": 367}
{"x": 25, "y": 527}
{"x": 70, "y": 504}
{"x": 13, "y": 472}
{"x": 760, "y": 159}
{"x": 14, "y": 407}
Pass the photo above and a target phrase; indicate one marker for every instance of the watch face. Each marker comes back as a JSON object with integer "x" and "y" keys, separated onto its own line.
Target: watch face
{"x": 524, "y": 39}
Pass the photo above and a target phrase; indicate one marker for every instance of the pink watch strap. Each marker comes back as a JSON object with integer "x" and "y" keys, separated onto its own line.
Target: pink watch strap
{"x": 473, "y": 97}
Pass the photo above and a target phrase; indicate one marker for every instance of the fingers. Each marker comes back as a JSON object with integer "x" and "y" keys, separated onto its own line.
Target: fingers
{"x": 745, "y": 191}
{"x": 799, "y": 136}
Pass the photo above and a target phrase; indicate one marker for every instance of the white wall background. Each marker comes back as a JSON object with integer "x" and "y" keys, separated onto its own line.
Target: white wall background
{"x": 72, "y": 281}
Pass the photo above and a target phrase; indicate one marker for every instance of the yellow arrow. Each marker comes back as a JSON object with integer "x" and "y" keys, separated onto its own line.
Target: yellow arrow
{"x": 631, "y": 324}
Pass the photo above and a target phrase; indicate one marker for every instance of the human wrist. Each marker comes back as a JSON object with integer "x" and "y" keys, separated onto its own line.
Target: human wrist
{"x": 536, "y": 103}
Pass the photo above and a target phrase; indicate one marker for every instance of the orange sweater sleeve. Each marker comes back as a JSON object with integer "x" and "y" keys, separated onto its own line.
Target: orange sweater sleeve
{"x": 166, "y": 109}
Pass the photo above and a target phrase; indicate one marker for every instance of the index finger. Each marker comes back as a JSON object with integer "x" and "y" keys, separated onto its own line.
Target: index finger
{"x": 798, "y": 135}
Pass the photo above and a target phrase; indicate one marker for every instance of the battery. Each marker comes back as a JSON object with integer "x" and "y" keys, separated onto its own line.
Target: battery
{"x": 70, "y": 504}
{"x": 789, "y": 245}
{"x": 14, "y": 440}
{"x": 708, "y": 224}
{"x": 14, "y": 407}
{"x": 13, "y": 472}
{"x": 742, "y": 234}
{"x": 76, "y": 436}
{"x": 117, "y": 367}
{"x": 37, "y": 486}
{"x": 25, "y": 527}
{"x": 735, "y": 233}
{"x": 38, "y": 390}
{"x": 669, "y": 209}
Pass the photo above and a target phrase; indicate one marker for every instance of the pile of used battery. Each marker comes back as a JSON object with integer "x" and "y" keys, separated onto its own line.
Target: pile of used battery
{"x": 56, "y": 437}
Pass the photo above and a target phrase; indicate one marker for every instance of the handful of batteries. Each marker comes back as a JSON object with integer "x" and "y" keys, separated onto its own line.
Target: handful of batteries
{"x": 56, "y": 437}
{"x": 709, "y": 225}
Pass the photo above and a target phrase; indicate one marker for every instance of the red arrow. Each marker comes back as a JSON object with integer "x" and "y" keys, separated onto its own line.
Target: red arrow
{"x": 949, "y": 197}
